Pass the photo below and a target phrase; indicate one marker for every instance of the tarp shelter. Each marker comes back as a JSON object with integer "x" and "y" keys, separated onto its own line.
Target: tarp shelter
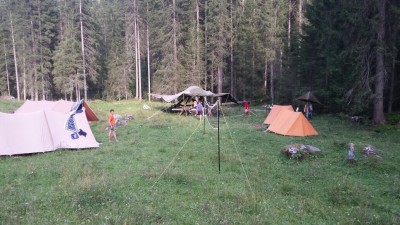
{"x": 43, "y": 130}
{"x": 195, "y": 91}
{"x": 57, "y": 106}
{"x": 275, "y": 112}
{"x": 308, "y": 97}
{"x": 192, "y": 91}
{"x": 292, "y": 123}
{"x": 225, "y": 98}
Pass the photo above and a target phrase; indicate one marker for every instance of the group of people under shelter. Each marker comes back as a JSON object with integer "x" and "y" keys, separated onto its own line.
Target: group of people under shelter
{"x": 200, "y": 108}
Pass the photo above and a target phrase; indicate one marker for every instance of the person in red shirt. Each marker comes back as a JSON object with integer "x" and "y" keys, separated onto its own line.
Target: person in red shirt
{"x": 246, "y": 107}
{"x": 113, "y": 130}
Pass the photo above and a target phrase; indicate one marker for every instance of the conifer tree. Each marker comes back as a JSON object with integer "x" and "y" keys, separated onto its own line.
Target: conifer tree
{"x": 168, "y": 44}
{"x": 120, "y": 54}
{"x": 89, "y": 43}
{"x": 5, "y": 76}
{"x": 344, "y": 53}
{"x": 217, "y": 48}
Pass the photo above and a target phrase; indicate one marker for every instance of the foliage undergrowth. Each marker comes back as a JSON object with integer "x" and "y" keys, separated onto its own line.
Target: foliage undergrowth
{"x": 165, "y": 170}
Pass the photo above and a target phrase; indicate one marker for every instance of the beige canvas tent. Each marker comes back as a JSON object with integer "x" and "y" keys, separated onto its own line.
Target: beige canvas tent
{"x": 43, "y": 130}
{"x": 24, "y": 133}
{"x": 275, "y": 112}
{"x": 292, "y": 124}
{"x": 58, "y": 106}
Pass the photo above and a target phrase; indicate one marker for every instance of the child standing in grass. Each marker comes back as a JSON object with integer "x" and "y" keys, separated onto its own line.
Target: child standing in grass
{"x": 111, "y": 122}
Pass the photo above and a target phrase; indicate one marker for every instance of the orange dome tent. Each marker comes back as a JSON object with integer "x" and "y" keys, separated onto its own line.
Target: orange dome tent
{"x": 275, "y": 112}
{"x": 292, "y": 123}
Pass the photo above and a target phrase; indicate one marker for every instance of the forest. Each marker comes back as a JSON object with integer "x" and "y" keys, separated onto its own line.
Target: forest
{"x": 271, "y": 51}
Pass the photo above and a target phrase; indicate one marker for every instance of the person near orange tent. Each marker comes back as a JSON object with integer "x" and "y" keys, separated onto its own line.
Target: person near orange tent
{"x": 246, "y": 107}
{"x": 308, "y": 110}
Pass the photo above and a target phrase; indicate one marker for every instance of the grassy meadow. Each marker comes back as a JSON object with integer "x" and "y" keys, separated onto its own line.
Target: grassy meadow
{"x": 164, "y": 170}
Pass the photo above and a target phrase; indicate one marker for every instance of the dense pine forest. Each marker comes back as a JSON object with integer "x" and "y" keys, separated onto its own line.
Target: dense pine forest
{"x": 345, "y": 51}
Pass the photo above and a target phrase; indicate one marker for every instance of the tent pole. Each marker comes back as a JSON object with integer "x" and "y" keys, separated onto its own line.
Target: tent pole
{"x": 219, "y": 152}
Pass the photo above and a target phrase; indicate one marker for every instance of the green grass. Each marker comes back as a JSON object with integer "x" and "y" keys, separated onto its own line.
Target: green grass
{"x": 164, "y": 170}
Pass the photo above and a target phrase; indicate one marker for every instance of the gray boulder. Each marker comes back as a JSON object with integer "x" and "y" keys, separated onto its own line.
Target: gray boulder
{"x": 299, "y": 151}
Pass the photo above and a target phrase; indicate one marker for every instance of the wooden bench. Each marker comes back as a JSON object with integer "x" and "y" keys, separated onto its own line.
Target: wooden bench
{"x": 187, "y": 111}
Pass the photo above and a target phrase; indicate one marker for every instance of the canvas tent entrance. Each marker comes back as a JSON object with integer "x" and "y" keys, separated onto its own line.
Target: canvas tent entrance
{"x": 57, "y": 106}
{"x": 292, "y": 124}
{"x": 43, "y": 130}
{"x": 275, "y": 112}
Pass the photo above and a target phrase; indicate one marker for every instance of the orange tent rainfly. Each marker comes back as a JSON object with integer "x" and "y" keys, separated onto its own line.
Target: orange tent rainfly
{"x": 275, "y": 112}
{"x": 292, "y": 124}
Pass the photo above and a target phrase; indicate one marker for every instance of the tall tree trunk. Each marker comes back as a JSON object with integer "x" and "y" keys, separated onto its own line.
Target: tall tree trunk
{"x": 205, "y": 43}
{"x": 139, "y": 64}
{"x": 253, "y": 69}
{"x": 391, "y": 90}
{"x": 300, "y": 16}
{"x": 174, "y": 40}
{"x": 211, "y": 80}
{"x": 220, "y": 76}
{"x": 232, "y": 89}
{"x": 271, "y": 70}
{"x": 34, "y": 88}
{"x": 289, "y": 21}
{"x": 136, "y": 52}
{"x": 197, "y": 57}
{"x": 24, "y": 70}
{"x": 41, "y": 53}
{"x": 266, "y": 76}
{"x": 139, "y": 55}
{"x": 15, "y": 58}
{"x": 379, "y": 116}
{"x": 148, "y": 54}
{"x": 83, "y": 50}
{"x": 7, "y": 74}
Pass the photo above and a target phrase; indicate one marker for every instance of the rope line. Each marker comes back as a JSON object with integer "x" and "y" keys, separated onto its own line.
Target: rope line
{"x": 240, "y": 159}
{"x": 210, "y": 123}
{"x": 234, "y": 143}
{"x": 234, "y": 116}
{"x": 176, "y": 155}
{"x": 252, "y": 112}
{"x": 154, "y": 114}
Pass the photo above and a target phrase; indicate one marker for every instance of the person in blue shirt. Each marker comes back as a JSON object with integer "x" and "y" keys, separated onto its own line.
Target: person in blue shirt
{"x": 199, "y": 109}
{"x": 308, "y": 110}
